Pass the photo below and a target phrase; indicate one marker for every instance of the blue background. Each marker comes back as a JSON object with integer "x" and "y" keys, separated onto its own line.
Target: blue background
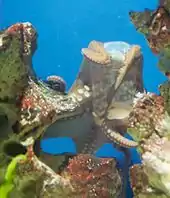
{"x": 65, "y": 26}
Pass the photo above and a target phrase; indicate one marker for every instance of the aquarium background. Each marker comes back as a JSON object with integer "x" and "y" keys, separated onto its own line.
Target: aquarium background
{"x": 64, "y": 27}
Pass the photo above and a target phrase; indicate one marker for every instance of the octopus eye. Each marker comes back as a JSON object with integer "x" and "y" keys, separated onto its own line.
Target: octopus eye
{"x": 56, "y": 83}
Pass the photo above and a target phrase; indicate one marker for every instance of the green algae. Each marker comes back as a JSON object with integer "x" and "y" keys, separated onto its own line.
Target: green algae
{"x": 10, "y": 174}
{"x": 13, "y": 72}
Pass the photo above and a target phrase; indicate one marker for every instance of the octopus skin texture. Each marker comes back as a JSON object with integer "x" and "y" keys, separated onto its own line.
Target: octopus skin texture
{"x": 108, "y": 80}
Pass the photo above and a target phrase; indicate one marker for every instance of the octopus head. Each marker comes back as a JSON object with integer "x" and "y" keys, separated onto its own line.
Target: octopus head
{"x": 56, "y": 83}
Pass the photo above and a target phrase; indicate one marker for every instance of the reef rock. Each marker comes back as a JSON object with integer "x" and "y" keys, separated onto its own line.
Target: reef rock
{"x": 155, "y": 25}
{"x": 149, "y": 126}
{"x": 85, "y": 176}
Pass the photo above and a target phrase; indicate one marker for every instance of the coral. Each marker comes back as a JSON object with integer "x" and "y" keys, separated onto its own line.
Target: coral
{"x": 140, "y": 184}
{"x": 85, "y": 176}
{"x": 14, "y": 76}
{"x": 46, "y": 182}
{"x": 93, "y": 177}
{"x": 15, "y": 69}
{"x": 149, "y": 120}
{"x": 164, "y": 91}
{"x": 155, "y": 25}
{"x": 149, "y": 126}
{"x": 147, "y": 116}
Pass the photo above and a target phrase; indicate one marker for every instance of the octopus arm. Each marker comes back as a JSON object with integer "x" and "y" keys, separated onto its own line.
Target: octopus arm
{"x": 118, "y": 138}
{"x": 129, "y": 80}
{"x": 78, "y": 128}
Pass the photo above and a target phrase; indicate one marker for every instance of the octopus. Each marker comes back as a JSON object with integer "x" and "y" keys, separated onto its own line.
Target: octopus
{"x": 155, "y": 26}
{"x": 93, "y": 112}
{"x": 105, "y": 105}
{"x": 56, "y": 82}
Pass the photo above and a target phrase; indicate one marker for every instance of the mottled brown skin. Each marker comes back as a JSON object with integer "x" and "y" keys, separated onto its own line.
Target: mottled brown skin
{"x": 20, "y": 75}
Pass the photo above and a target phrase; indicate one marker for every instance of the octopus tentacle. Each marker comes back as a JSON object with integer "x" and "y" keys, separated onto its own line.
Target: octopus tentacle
{"x": 42, "y": 106}
{"x": 119, "y": 139}
{"x": 132, "y": 53}
{"x": 113, "y": 135}
{"x": 97, "y": 53}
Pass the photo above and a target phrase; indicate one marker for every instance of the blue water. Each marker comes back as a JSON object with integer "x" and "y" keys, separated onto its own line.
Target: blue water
{"x": 65, "y": 26}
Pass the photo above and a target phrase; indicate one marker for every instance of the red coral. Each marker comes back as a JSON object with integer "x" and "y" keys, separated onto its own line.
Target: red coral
{"x": 93, "y": 177}
{"x": 15, "y": 28}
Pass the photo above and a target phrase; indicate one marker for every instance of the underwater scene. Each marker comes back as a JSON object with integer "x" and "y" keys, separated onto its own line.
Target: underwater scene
{"x": 85, "y": 99}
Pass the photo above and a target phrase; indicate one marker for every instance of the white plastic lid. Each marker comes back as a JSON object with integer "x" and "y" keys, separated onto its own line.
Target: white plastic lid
{"x": 117, "y": 49}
